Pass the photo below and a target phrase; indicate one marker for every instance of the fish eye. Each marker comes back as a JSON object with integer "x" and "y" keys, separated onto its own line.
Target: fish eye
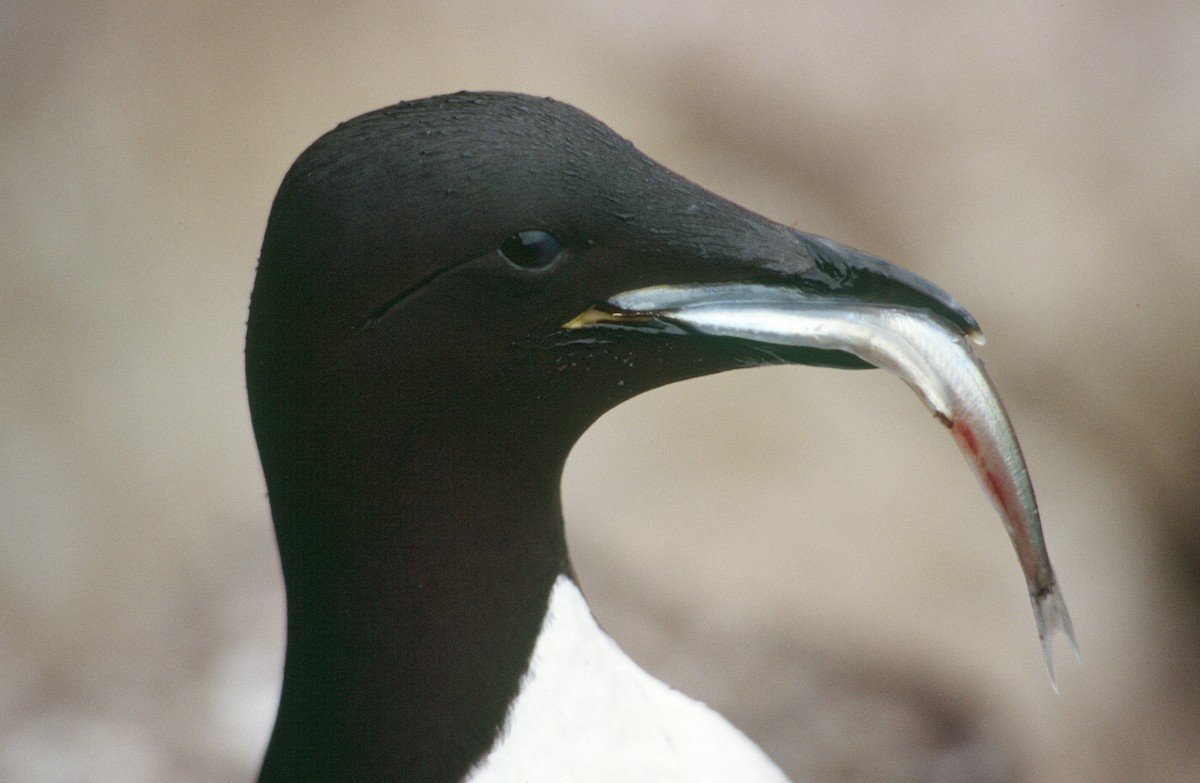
{"x": 533, "y": 249}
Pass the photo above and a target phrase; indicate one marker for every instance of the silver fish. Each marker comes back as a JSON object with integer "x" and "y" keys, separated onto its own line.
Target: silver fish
{"x": 932, "y": 356}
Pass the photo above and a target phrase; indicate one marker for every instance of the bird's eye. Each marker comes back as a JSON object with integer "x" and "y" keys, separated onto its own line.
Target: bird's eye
{"x": 531, "y": 249}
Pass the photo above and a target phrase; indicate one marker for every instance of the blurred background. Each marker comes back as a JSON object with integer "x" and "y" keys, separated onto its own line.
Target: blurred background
{"x": 804, "y": 549}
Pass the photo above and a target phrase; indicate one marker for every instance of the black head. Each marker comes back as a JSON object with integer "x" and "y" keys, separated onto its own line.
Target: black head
{"x": 426, "y": 255}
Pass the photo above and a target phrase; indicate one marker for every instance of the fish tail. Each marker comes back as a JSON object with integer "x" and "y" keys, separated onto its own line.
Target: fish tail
{"x": 1050, "y": 610}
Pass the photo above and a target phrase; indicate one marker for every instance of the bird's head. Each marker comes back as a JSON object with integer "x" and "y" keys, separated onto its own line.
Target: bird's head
{"x": 467, "y": 255}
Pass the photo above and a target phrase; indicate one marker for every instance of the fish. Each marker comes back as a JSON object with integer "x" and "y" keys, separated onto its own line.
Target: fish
{"x": 936, "y": 358}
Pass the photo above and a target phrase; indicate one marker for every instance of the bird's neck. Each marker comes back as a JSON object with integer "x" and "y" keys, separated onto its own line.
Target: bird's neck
{"x": 417, "y": 580}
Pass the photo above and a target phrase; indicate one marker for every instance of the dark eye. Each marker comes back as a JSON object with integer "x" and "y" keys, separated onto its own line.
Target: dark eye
{"x": 531, "y": 249}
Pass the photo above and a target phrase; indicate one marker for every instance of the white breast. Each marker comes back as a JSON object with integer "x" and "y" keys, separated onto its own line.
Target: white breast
{"x": 586, "y": 712}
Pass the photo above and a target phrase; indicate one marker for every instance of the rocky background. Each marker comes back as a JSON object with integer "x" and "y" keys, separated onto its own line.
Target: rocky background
{"x": 805, "y": 549}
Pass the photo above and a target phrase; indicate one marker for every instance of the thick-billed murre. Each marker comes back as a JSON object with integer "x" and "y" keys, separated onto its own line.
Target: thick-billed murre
{"x": 434, "y": 323}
